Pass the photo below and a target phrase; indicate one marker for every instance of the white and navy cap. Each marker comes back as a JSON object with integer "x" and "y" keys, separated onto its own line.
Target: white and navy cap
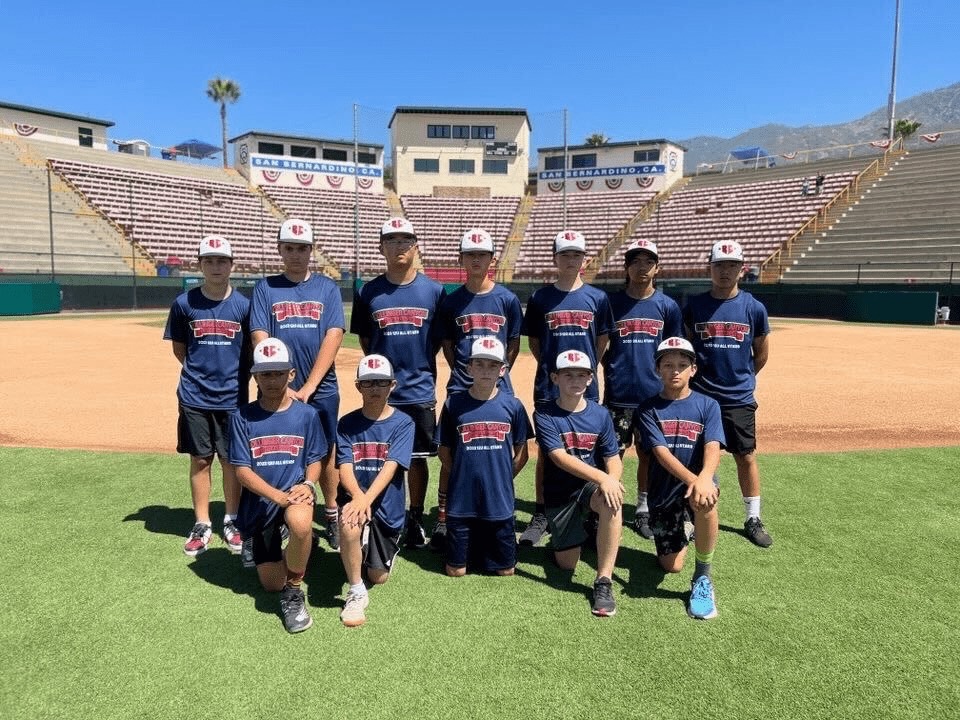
{"x": 476, "y": 240}
{"x": 675, "y": 344}
{"x": 569, "y": 240}
{"x": 573, "y": 359}
{"x": 215, "y": 246}
{"x": 270, "y": 354}
{"x": 374, "y": 367}
{"x": 397, "y": 226}
{"x": 488, "y": 348}
{"x": 296, "y": 231}
{"x": 638, "y": 246}
{"x": 726, "y": 250}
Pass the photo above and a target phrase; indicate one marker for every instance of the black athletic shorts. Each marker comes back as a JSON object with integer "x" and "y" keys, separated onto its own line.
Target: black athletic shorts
{"x": 425, "y": 427}
{"x": 203, "y": 433}
{"x": 567, "y": 523}
{"x": 380, "y": 545}
{"x": 740, "y": 428}
{"x": 485, "y": 545}
{"x": 268, "y": 542}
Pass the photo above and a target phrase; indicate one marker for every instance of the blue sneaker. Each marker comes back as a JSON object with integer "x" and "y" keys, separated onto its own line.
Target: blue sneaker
{"x": 702, "y": 604}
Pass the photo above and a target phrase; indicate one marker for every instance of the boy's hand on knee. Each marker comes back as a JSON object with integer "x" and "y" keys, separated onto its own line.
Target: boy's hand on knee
{"x": 613, "y": 492}
{"x": 301, "y": 494}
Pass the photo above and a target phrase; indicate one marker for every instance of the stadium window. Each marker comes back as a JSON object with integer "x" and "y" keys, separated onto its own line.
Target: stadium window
{"x": 461, "y": 132}
{"x": 367, "y": 158}
{"x": 85, "y": 137}
{"x": 553, "y": 163}
{"x": 438, "y": 131}
{"x": 462, "y": 167}
{"x": 426, "y": 165}
{"x": 587, "y": 160}
{"x": 642, "y": 156}
{"x": 331, "y": 154}
{"x": 269, "y": 148}
{"x": 483, "y": 132}
{"x": 494, "y": 167}
{"x": 303, "y": 151}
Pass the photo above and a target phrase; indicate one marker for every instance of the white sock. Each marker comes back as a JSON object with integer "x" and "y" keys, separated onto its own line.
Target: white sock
{"x": 359, "y": 588}
{"x": 642, "y": 503}
{"x": 752, "y": 506}
{"x": 228, "y": 518}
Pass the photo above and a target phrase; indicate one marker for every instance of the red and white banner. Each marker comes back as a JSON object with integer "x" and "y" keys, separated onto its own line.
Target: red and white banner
{"x": 584, "y": 184}
{"x": 305, "y": 178}
{"x": 931, "y": 137}
{"x": 555, "y": 186}
{"x": 882, "y": 144}
{"x": 789, "y": 155}
{"x": 24, "y": 129}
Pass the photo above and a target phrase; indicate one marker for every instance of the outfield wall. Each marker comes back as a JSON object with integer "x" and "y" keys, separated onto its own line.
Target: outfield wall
{"x": 891, "y": 303}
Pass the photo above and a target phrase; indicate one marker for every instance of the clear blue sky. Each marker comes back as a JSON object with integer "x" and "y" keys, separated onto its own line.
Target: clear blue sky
{"x": 630, "y": 69}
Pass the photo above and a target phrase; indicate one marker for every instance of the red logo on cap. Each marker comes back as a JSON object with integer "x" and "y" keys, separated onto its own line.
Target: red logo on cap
{"x": 674, "y": 342}
{"x": 574, "y": 357}
{"x": 488, "y": 343}
{"x": 297, "y": 229}
{"x": 374, "y": 363}
{"x": 214, "y": 242}
{"x": 269, "y": 350}
{"x": 397, "y": 223}
{"x": 728, "y": 249}
{"x": 477, "y": 238}
{"x": 569, "y": 236}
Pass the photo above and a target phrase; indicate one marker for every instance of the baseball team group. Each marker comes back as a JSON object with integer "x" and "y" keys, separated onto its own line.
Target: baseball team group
{"x": 678, "y": 385}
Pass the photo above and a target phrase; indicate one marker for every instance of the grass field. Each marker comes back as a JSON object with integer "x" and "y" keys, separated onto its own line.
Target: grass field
{"x": 853, "y": 613}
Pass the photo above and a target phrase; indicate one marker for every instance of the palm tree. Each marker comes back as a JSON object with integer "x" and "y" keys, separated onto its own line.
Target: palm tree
{"x": 905, "y": 128}
{"x": 223, "y": 91}
{"x": 596, "y": 139}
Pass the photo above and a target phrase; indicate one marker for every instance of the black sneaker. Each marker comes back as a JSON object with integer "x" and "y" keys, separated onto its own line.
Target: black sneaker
{"x": 641, "y": 523}
{"x": 438, "y": 538}
{"x": 535, "y": 530}
{"x": 603, "y": 603}
{"x": 416, "y": 535}
{"x": 332, "y": 534}
{"x": 757, "y": 533}
{"x": 294, "y": 611}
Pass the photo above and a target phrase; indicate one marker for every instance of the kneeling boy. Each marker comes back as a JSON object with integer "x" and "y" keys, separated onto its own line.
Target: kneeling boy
{"x": 374, "y": 445}
{"x": 683, "y": 432}
{"x": 277, "y": 446}
{"x": 576, "y": 439}
{"x": 482, "y": 438}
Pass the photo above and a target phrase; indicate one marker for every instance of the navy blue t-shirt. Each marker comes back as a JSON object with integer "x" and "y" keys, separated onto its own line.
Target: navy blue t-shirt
{"x": 464, "y": 316}
{"x": 722, "y": 333}
{"x": 481, "y": 435}
{"x": 300, "y": 314}
{"x": 587, "y": 435}
{"x": 629, "y": 370}
{"x": 277, "y": 446}
{"x": 368, "y": 445}
{"x": 684, "y": 427}
{"x": 566, "y": 321}
{"x": 400, "y": 323}
{"x": 214, "y": 375}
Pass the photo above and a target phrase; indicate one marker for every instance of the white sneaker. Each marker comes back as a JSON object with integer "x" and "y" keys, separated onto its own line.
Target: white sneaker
{"x": 353, "y": 614}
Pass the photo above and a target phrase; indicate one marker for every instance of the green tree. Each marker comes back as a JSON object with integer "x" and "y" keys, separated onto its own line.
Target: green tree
{"x": 596, "y": 139}
{"x": 223, "y": 91}
{"x": 905, "y": 128}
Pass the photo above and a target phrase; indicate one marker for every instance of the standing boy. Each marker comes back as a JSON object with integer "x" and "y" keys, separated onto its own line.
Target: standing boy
{"x": 394, "y": 315}
{"x": 208, "y": 328}
{"x": 567, "y": 315}
{"x": 643, "y": 317}
{"x": 682, "y": 431}
{"x": 582, "y": 470}
{"x": 373, "y": 452}
{"x": 730, "y": 332}
{"x": 482, "y": 435}
{"x": 304, "y": 310}
{"x": 278, "y": 446}
{"x": 479, "y": 308}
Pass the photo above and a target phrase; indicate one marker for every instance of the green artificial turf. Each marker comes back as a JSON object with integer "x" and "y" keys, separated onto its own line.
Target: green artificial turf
{"x": 851, "y": 614}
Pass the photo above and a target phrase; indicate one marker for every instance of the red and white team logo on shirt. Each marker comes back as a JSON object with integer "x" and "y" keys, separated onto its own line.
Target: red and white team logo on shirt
{"x": 481, "y": 321}
{"x": 285, "y": 309}
{"x": 641, "y": 326}
{"x": 732, "y": 330}
{"x": 483, "y": 430}
{"x": 276, "y": 444}
{"x": 681, "y": 428}
{"x": 560, "y": 318}
{"x": 210, "y": 326}
{"x": 579, "y": 440}
{"x": 401, "y": 316}
{"x": 370, "y": 451}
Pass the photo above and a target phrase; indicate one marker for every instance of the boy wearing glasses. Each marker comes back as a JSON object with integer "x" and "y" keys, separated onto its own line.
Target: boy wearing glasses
{"x": 393, "y": 315}
{"x": 373, "y": 452}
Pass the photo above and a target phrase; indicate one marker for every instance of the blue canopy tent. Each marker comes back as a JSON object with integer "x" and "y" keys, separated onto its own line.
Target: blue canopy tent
{"x": 192, "y": 149}
{"x": 751, "y": 155}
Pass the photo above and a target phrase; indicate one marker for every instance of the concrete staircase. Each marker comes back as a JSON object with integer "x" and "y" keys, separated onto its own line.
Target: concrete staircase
{"x": 83, "y": 241}
{"x": 902, "y": 227}
{"x": 506, "y": 265}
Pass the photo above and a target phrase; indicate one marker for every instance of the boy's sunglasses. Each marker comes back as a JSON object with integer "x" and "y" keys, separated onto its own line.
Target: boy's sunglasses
{"x": 374, "y": 383}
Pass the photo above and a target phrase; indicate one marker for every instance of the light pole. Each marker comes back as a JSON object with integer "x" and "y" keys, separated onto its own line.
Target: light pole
{"x": 892, "y": 100}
